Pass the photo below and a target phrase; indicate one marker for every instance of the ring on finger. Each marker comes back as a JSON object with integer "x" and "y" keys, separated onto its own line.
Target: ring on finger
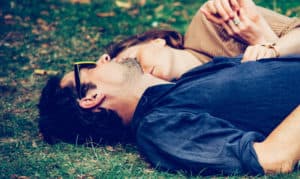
{"x": 236, "y": 21}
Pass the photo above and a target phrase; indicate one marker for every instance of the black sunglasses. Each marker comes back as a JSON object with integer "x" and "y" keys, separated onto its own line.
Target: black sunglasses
{"x": 77, "y": 67}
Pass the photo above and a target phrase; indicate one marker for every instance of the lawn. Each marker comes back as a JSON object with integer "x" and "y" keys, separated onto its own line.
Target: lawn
{"x": 43, "y": 37}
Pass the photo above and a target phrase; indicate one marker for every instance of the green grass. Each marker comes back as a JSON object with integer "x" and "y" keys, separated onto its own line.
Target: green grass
{"x": 50, "y": 35}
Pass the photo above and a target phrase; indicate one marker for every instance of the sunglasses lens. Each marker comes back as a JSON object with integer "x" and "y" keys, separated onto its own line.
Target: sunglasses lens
{"x": 86, "y": 66}
{"x": 77, "y": 67}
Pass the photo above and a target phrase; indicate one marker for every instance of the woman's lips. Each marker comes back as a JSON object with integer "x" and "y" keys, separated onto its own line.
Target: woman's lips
{"x": 152, "y": 70}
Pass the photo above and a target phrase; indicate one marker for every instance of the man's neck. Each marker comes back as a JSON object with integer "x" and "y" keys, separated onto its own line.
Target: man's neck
{"x": 128, "y": 102}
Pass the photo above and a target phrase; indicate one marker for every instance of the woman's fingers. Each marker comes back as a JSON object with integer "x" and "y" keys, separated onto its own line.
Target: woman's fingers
{"x": 211, "y": 7}
{"x": 221, "y": 10}
{"x": 239, "y": 24}
{"x": 257, "y": 52}
{"x": 234, "y": 25}
{"x": 234, "y": 4}
{"x": 212, "y": 18}
{"x": 228, "y": 8}
{"x": 249, "y": 55}
{"x": 227, "y": 28}
{"x": 224, "y": 8}
{"x": 245, "y": 21}
{"x": 261, "y": 53}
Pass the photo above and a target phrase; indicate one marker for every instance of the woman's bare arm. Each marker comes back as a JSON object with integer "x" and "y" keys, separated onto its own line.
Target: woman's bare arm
{"x": 286, "y": 45}
{"x": 280, "y": 151}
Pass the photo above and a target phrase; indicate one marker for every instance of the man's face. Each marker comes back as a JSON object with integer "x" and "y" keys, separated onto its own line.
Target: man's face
{"x": 110, "y": 85}
{"x": 107, "y": 76}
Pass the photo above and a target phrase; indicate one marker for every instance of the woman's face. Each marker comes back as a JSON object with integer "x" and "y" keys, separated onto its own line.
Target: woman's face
{"x": 154, "y": 56}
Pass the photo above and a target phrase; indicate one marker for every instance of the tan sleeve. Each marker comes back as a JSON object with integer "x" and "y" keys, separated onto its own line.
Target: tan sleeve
{"x": 280, "y": 24}
{"x": 206, "y": 40}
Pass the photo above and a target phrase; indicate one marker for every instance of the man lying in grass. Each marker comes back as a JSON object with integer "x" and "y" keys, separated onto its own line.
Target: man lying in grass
{"x": 224, "y": 117}
{"x": 220, "y": 118}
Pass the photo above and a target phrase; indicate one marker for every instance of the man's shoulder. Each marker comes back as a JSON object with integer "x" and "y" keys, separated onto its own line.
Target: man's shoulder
{"x": 215, "y": 65}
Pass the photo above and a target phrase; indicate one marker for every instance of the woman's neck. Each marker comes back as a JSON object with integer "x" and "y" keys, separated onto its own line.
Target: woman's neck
{"x": 183, "y": 62}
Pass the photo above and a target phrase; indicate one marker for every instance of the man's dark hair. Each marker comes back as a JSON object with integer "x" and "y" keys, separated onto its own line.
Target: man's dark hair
{"x": 173, "y": 39}
{"x": 62, "y": 119}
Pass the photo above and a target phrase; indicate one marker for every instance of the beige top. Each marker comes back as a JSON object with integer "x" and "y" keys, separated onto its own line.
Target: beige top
{"x": 206, "y": 40}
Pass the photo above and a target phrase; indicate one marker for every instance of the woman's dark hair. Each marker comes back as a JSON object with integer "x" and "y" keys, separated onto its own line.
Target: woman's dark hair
{"x": 173, "y": 39}
{"x": 62, "y": 119}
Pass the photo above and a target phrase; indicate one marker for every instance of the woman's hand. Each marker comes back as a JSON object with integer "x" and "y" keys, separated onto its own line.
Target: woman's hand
{"x": 218, "y": 11}
{"x": 240, "y": 19}
{"x": 256, "y": 52}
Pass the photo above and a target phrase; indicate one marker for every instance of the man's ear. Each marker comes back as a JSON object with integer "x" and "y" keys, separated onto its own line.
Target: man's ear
{"x": 91, "y": 100}
{"x": 160, "y": 41}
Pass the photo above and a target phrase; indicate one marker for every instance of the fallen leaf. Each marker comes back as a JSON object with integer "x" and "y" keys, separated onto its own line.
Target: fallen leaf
{"x": 2, "y": 80}
{"x": 142, "y": 2}
{"x": 177, "y": 4}
{"x": 46, "y": 13}
{"x": 106, "y": 14}
{"x": 14, "y": 176}
{"x": 185, "y": 15}
{"x": 44, "y": 45}
{"x": 8, "y": 140}
{"x": 172, "y": 20}
{"x": 34, "y": 145}
{"x": 134, "y": 12}
{"x": 288, "y": 12}
{"x": 154, "y": 24}
{"x": 25, "y": 68}
{"x": 35, "y": 31}
{"x": 41, "y": 21}
{"x": 110, "y": 148}
{"x": 43, "y": 51}
{"x": 45, "y": 72}
{"x": 52, "y": 72}
{"x": 148, "y": 171}
{"x": 165, "y": 25}
{"x": 81, "y": 1}
{"x": 8, "y": 17}
{"x": 159, "y": 8}
{"x": 126, "y": 5}
{"x": 45, "y": 27}
{"x": 292, "y": 10}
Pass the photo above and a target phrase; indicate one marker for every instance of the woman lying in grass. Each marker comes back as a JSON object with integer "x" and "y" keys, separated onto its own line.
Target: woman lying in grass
{"x": 255, "y": 34}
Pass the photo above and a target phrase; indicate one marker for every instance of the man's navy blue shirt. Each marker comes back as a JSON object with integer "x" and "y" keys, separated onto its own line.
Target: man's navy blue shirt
{"x": 207, "y": 121}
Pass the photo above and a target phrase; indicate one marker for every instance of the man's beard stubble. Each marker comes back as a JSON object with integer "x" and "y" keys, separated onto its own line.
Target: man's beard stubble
{"x": 133, "y": 69}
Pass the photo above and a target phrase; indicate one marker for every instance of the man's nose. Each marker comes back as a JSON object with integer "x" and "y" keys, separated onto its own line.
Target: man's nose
{"x": 103, "y": 59}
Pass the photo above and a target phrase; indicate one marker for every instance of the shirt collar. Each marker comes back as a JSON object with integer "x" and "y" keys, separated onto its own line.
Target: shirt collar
{"x": 154, "y": 93}
{"x": 148, "y": 101}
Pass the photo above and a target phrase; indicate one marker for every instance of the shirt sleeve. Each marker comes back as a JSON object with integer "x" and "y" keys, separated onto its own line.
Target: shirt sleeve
{"x": 201, "y": 144}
